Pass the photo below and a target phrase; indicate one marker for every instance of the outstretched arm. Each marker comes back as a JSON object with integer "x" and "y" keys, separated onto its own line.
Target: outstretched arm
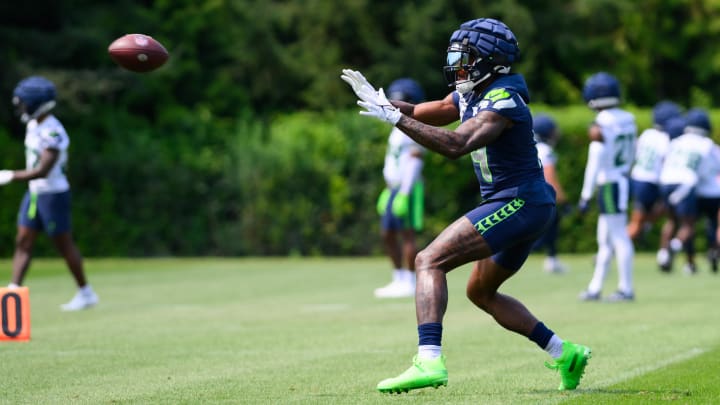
{"x": 473, "y": 134}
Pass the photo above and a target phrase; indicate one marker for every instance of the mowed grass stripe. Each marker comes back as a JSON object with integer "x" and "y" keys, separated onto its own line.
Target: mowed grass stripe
{"x": 210, "y": 330}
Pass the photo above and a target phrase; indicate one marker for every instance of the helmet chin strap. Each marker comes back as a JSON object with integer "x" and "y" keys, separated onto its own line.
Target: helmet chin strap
{"x": 467, "y": 86}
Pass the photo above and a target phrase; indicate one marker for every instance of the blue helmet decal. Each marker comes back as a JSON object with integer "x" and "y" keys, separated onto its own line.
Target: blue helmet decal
{"x": 663, "y": 111}
{"x": 543, "y": 126}
{"x": 697, "y": 121}
{"x": 477, "y": 50}
{"x": 602, "y": 90}
{"x": 37, "y": 94}
{"x": 675, "y": 126}
{"x": 406, "y": 89}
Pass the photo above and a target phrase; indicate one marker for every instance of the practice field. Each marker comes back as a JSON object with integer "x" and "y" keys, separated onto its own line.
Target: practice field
{"x": 309, "y": 331}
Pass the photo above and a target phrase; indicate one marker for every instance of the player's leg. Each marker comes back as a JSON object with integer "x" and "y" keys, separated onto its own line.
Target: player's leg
{"x": 624, "y": 255}
{"x": 24, "y": 242}
{"x": 511, "y": 314}
{"x": 392, "y": 227}
{"x": 55, "y": 212}
{"x": 458, "y": 244}
{"x": 29, "y": 226}
{"x": 602, "y": 261}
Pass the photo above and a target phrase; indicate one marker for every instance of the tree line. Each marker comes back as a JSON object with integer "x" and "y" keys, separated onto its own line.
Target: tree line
{"x": 247, "y": 142}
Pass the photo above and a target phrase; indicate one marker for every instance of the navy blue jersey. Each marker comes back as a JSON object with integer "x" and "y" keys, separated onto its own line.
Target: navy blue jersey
{"x": 512, "y": 159}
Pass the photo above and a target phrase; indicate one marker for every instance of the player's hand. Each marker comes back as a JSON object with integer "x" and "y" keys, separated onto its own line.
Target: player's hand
{"x": 679, "y": 194}
{"x": 583, "y": 206}
{"x": 357, "y": 81}
{"x": 401, "y": 205}
{"x": 6, "y": 177}
{"x": 382, "y": 201}
{"x": 379, "y": 107}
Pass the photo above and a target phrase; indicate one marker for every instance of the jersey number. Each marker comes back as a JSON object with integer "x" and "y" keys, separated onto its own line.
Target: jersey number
{"x": 480, "y": 158}
{"x": 623, "y": 149}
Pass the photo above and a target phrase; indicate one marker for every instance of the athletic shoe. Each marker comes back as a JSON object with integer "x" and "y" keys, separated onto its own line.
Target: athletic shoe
{"x": 589, "y": 296}
{"x": 396, "y": 289}
{"x": 423, "y": 373}
{"x": 619, "y": 296}
{"x": 571, "y": 365}
{"x": 81, "y": 300}
{"x": 553, "y": 265}
{"x": 690, "y": 269}
{"x": 664, "y": 260}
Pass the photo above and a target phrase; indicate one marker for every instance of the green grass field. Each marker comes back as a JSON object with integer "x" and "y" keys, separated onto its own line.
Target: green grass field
{"x": 308, "y": 331}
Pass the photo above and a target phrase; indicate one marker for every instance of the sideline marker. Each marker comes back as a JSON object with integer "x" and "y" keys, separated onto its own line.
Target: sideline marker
{"x": 15, "y": 314}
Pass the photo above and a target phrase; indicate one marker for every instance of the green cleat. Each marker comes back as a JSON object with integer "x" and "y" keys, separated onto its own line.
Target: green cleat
{"x": 423, "y": 373}
{"x": 571, "y": 364}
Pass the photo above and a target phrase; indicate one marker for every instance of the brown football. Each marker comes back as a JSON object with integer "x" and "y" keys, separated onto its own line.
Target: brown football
{"x": 138, "y": 52}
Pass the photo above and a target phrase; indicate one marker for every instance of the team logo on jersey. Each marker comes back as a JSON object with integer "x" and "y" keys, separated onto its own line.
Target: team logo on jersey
{"x": 500, "y": 215}
{"x": 498, "y": 99}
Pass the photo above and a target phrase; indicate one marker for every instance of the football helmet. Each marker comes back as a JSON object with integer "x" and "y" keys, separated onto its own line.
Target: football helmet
{"x": 33, "y": 97}
{"x": 405, "y": 89}
{"x": 663, "y": 111}
{"x": 697, "y": 121}
{"x": 479, "y": 49}
{"x": 544, "y": 128}
{"x": 601, "y": 90}
{"x": 675, "y": 126}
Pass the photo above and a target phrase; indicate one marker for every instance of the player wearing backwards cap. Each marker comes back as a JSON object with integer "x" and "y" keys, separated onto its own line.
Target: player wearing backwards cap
{"x": 692, "y": 160}
{"x": 547, "y": 135}
{"x": 518, "y": 205}
{"x": 400, "y": 204}
{"x": 46, "y": 205}
{"x": 610, "y": 155}
{"x": 650, "y": 153}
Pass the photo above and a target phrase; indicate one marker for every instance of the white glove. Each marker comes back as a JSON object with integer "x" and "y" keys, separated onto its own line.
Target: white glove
{"x": 357, "y": 81}
{"x": 379, "y": 107}
{"x": 6, "y": 177}
{"x": 680, "y": 193}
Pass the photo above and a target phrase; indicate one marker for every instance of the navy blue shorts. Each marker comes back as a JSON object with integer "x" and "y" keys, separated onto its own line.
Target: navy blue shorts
{"x": 511, "y": 225}
{"x": 46, "y": 212}
{"x": 645, "y": 194}
{"x": 685, "y": 208}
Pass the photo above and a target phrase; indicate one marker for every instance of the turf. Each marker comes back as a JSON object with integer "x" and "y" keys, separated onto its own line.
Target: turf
{"x": 308, "y": 331}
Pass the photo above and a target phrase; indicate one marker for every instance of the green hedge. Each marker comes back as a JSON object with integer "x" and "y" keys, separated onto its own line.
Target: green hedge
{"x": 302, "y": 183}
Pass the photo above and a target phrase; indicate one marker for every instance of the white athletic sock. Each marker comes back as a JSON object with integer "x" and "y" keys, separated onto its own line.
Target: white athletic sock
{"x": 13, "y": 286}
{"x": 86, "y": 290}
{"x": 554, "y": 347}
{"x": 624, "y": 256}
{"x": 429, "y": 352}
{"x": 398, "y": 275}
{"x": 663, "y": 256}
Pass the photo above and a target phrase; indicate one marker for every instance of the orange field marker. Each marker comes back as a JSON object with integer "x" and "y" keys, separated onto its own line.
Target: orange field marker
{"x": 15, "y": 314}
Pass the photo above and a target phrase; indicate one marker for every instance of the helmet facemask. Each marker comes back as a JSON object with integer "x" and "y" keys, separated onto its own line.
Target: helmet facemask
{"x": 465, "y": 68}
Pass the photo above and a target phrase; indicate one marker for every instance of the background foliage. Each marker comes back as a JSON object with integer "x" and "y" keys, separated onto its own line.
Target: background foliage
{"x": 247, "y": 142}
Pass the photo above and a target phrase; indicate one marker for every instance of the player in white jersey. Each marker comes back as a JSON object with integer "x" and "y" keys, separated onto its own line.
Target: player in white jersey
{"x": 547, "y": 135}
{"x": 610, "y": 155}
{"x": 650, "y": 153}
{"x": 690, "y": 160}
{"x": 708, "y": 202}
{"x": 46, "y": 204}
{"x": 400, "y": 204}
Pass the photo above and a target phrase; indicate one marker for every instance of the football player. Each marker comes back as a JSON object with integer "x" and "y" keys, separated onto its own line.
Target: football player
{"x": 517, "y": 204}
{"x": 691, "y": 161}
{"x": 650, "y": 152}
{"x": 46, "y": 204}
{"x": 547, "y": 134}
{"x": 610, "y": 155}
{"x": 400, "y": 204}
